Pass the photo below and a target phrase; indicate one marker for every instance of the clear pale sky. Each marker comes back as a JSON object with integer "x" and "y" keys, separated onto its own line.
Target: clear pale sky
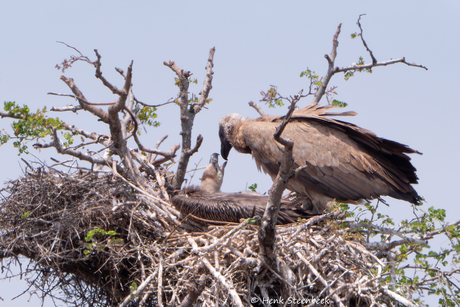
{"x": 258, "y": 44}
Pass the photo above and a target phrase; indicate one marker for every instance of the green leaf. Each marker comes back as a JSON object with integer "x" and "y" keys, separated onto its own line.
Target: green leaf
{"x": 133, "y": 287}
{"x": 339, "y": 104}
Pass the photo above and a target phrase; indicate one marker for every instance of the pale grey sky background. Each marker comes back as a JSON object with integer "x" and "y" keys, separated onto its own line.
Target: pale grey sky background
{"x": 258, "y": 43}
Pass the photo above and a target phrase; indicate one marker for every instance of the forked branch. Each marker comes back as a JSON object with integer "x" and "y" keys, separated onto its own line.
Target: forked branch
{"x": 187, "y": 114}
{"x": 331, "y": 70}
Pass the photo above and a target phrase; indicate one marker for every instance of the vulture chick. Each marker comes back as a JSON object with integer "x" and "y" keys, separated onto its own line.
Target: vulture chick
{"x": 341, "y": 162}
{"x": 209, "y": 203}
{"x": 213, "y": 176}
{"x": 231, "y": 207}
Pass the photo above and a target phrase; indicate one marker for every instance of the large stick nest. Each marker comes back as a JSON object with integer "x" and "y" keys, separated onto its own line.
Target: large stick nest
{"x": 93, "y": 237}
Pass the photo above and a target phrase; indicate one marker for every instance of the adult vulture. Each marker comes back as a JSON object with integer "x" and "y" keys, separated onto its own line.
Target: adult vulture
{"x": 341, "y": 161}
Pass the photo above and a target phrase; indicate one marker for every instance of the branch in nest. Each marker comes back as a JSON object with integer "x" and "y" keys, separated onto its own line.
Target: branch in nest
{"x": 56, "y": 143}
{"x": 267, "y": 235}
{"x": 223, "y": 241}
{"x": 139, "y": 290}
{"x": 168, "y": 155}
{"x": 320, "y": 278}
{"x": 399, "y": 298}
{"x": 197, "y": 288}
{"x": 222, "y": 280}
{"x": 257, "y": 108}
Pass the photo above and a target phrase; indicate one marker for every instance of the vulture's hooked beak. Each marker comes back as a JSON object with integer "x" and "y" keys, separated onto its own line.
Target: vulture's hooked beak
{"x": 225, "y": 147}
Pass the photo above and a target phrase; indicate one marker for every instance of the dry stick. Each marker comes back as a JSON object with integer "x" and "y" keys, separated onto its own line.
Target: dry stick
{"x": 171, "y": 154}
{"x": 217, "y": 275}
{"x": 216, "y": 256}
{"x": 320, "y": 278}
{"x": 220, "y": 242}
{"x": 399, "y": 298}
{"x": 194, "y": 293}
{"x": 104, "y": 116}
{"x": 223, "y": 281}
{"x": 382, "y": 63}
{"x": 139, "y": 290}
{"x": 160, "y": 281}
{"x": 186, "y": 122}
{"x": 81, "y": 156}
{"x": 330, "y": 70}
{"x": 374, "y": 60}
{"x": 161, "y": 184}
{"x": 257, "y": 108}
{"x": 165, "y": 207}
{"x": 157, "y": 145}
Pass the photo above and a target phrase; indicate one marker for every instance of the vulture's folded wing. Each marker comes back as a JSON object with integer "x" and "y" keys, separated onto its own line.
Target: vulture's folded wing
{"x": 341, "y": 161}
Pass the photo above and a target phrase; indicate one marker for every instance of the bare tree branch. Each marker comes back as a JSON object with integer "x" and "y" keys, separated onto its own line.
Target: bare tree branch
{"x": 104, "y": 116}
{"x": 370, "y": 65}
{"x": 188, "y": 113}
{"x": 374, "y": 60}
{"x": 331, "y": 70}
{"x": 207, "y": 84}
{"x": 107, "y": 84}
{"x": 267, "y": 236}
{"x": 257, "y": 108}
{"x": 77, "y": 154}
{"x": 67, "y": 108}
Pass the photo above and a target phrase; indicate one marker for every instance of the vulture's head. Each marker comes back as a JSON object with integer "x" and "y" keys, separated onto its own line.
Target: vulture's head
{"x": 214, "y": 159}
{"x": 226, "y": 128}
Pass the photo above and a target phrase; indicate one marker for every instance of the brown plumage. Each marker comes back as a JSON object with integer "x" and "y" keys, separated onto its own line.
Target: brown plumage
{"x": 231, "y": 207}
{"x": 341, "y": 161}
{"x": 213, "y": 176}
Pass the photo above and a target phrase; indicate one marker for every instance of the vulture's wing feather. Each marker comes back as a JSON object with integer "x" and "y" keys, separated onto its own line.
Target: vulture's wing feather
{"x": 342, "y": 161}
{"x": 231, "y": 207}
